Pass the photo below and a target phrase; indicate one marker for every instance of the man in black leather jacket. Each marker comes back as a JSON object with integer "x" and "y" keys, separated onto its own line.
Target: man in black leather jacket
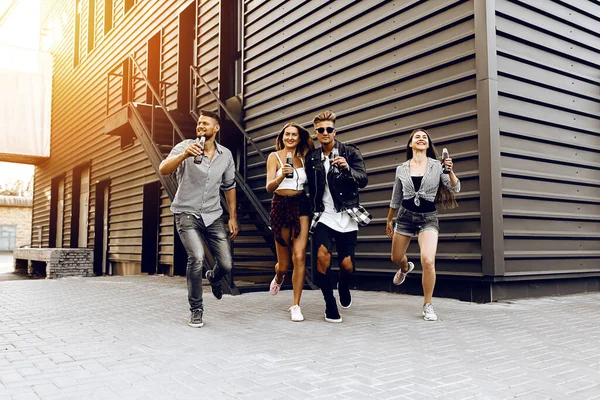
{"x": 333, "y": 184}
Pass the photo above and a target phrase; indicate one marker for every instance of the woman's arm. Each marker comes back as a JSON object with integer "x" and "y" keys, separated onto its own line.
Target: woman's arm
{"x": 274, "y": 181}
{"x": 397, "y": 192}
{"x": 389, "y": 225}
{"x": 450, "y": 181}
{"x": 397, "y": 196}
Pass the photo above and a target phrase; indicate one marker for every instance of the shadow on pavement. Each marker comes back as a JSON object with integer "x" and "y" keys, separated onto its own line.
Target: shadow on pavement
{"x": 7, "y": 268}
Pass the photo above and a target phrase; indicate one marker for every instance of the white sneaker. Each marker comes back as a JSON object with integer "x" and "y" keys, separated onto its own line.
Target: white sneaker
{"x": 274, "y": 286}
{"x": 428, "y": 313}
{"x": 401, "y": 276}
{"x": 296, "y": 313}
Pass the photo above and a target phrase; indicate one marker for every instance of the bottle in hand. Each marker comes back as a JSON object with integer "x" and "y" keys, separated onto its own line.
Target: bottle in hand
{"x": 334, "y": 153}
{"x": 198, "y": 159}
{"x": 445, "y": 156}
{"x": 289, "y": 160}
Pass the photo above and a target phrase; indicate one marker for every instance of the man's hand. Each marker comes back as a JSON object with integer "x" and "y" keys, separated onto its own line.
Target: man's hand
{"x": 341, "y": 162}
{"x": 194, "y": 149}
{"x": 233, "y": 228}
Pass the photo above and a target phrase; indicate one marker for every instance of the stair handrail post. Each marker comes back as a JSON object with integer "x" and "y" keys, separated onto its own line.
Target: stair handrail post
{"x": 224, "y": 107}
{"x": 192, "y": 99}
{"x": 157, "y": 97}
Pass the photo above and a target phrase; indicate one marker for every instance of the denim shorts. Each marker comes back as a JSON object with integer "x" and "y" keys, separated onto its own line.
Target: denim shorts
{"x": 410, "y": 223}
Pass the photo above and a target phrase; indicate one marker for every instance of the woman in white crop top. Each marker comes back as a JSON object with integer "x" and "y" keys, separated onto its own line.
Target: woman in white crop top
{"x": 290, "y": 209}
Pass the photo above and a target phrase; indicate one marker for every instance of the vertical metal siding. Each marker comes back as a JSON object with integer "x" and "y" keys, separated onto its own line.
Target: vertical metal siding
{"x": 385, "y": 68}
{"x": 549, "y": 105}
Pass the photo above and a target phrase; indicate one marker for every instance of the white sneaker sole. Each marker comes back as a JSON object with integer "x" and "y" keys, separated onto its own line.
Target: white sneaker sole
{"x": 195, "y": 325}
{"x": 340, "y": 302}
{"x": 333, "y": 321}
{"x": 434, "y": 318}
{"x": 348, "y": 306}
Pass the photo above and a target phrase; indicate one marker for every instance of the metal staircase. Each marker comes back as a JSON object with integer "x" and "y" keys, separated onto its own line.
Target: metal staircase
{"x": 158, "y": 130}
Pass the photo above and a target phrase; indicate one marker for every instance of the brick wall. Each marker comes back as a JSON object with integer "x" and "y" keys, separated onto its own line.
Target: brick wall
{"x": 54, "y": 263}
{"x": 21, "y": 217}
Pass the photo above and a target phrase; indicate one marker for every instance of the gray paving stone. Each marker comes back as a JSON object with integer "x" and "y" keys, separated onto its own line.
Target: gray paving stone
{"x": 86, "y": 338}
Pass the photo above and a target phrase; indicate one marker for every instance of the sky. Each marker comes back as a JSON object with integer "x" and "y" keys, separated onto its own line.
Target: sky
{"x": 20, "y": 31}
{"x": 19, "y": 34}
{"x": 12, "y": 171}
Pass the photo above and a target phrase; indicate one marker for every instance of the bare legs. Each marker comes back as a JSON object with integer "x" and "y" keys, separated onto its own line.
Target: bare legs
{"x": 428, "y": 241}
{"x": 399, "y": 246}
{"x": 296, "y": 254}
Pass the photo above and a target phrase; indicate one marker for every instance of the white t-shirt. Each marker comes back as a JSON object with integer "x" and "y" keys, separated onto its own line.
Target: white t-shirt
{"x": 338, "y": 221}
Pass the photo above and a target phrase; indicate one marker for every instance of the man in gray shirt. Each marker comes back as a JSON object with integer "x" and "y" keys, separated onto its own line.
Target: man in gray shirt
{"x": 201, "y": 172}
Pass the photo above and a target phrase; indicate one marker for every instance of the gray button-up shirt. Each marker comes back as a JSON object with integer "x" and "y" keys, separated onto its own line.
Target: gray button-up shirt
{"x": 404, "y": 188}
{"x": 199, "y": 184}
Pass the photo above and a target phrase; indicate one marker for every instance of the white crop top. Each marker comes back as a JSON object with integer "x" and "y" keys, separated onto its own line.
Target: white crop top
{"x": 297, "y": 182}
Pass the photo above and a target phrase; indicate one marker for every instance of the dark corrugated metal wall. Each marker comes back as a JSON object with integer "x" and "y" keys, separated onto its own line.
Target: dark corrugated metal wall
{"x": 548, "y": 55}
{"x": 385, "y": 68}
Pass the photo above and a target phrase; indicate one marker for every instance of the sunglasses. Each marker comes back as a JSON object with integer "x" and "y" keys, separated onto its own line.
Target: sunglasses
{"x": 328, "y": 129}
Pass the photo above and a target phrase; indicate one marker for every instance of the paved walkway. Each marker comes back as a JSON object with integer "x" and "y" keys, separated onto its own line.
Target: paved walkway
{"x": 126, "y": 337}
{"x": 7, "y": 267}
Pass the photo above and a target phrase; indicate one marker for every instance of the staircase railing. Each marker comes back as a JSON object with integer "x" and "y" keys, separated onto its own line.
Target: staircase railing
{"x": 240, "y": 181}
{"x": 156, "y": 97}
{"x": 228, "y": 285}
{"x": 239, "y": 178}
{"x": 195, "y": 73}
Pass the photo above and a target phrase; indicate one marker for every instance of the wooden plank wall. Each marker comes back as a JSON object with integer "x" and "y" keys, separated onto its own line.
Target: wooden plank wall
{"x": 79, "y": 112}
{"x": 549, "y": 104}
{"x": 385, "y": 68}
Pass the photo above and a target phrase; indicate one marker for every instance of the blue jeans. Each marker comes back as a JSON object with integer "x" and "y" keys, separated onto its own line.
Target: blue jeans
{"x": 192, "y": 231}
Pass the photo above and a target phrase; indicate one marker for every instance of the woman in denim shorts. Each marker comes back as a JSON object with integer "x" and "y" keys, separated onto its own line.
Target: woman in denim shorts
{"x": 420, "y": 186}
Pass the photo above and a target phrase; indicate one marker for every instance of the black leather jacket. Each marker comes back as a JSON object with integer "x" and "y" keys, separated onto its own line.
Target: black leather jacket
{"x": 344, "y": 185}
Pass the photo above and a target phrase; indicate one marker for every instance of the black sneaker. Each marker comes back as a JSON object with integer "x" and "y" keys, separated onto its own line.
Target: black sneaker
{"x": 216, "y": 288}
{"x": 331, "y": 312}
{"x": 344, "y": 294}
{"x": 196, "y": 319}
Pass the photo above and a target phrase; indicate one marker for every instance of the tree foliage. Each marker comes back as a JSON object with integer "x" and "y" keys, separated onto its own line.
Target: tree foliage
{"x": 17, "y": 187}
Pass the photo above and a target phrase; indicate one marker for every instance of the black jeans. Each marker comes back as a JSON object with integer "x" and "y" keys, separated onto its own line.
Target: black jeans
{"x": 345, "y": 244}
{"x": 191, "y": 231}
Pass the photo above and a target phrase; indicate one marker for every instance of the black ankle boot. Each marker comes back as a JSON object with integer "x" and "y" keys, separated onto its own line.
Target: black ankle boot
{"x": 344, "y": 293}
{"x": 331, "y": 311}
